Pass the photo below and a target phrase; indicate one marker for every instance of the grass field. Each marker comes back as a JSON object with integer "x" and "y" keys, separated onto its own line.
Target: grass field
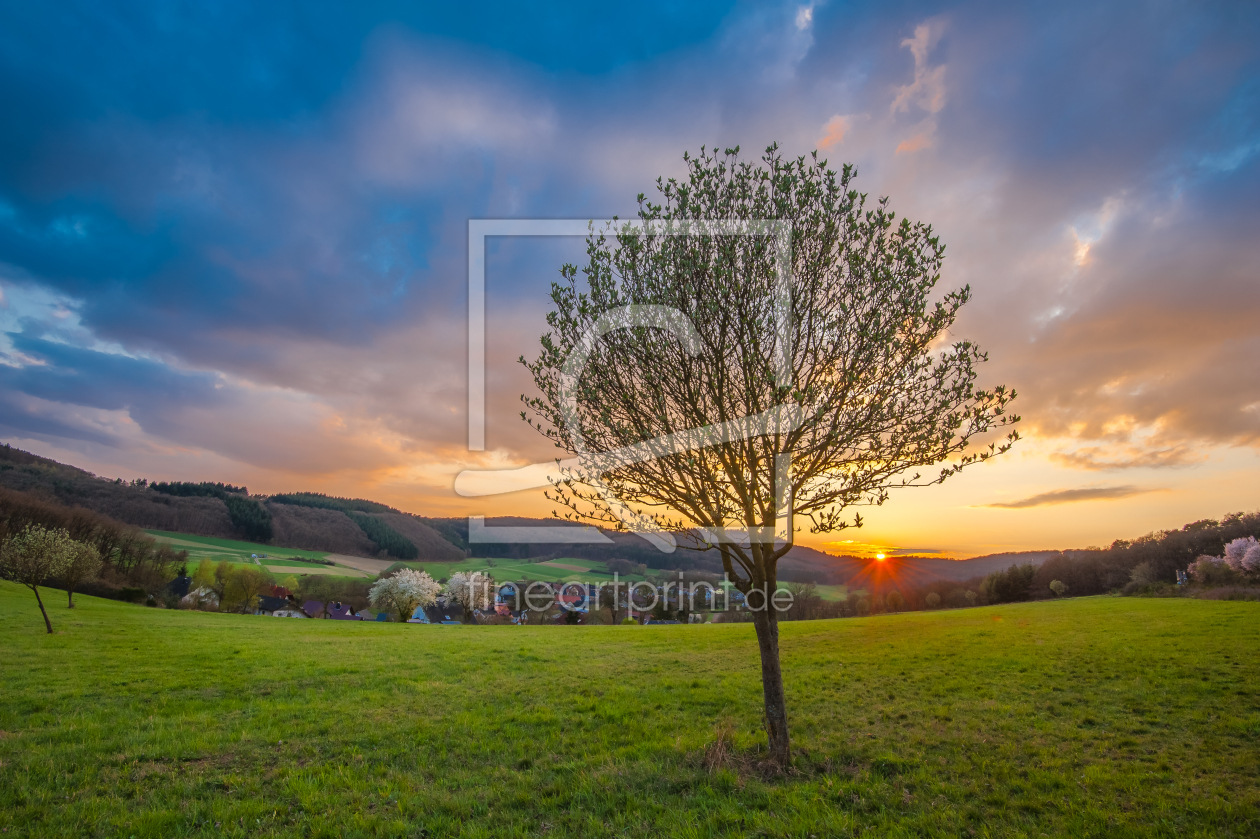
{"x": 1089, "y": 717}
{"x": 834, "y": 592}
{"x": 231, "y": 550}
{"x": 504, "y": 570}
{"x": 279, "y": 561}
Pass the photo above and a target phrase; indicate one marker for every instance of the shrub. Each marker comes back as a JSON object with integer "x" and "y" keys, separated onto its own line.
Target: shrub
{"x": 1058, "y": 587}
{"x": 933, "y": 600}
{"x": 1232, "y": 593}
{"x": 1212, "y": 571}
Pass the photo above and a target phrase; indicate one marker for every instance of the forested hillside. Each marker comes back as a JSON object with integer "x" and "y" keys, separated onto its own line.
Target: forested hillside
{"x": 296, "y": 520}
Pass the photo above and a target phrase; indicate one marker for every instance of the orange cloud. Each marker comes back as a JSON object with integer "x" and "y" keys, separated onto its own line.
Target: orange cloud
{"x": 1129, "y": 457}
{"x": 836, "y": 128}
{"x": 928, "y": 88}
{"x": 914, "y": 144}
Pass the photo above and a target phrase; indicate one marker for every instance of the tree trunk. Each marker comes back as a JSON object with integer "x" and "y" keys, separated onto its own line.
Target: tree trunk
{"x": 42, "y": 610}
{"x": 70, "y": 596}
{"x": 767, "y": 625}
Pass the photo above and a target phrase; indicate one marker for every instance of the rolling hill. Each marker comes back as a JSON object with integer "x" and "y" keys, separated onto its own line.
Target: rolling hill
{"x": 332, "y": 529}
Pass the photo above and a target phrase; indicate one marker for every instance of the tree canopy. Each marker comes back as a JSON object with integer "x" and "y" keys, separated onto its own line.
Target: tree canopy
{"x": 763, "y": 347}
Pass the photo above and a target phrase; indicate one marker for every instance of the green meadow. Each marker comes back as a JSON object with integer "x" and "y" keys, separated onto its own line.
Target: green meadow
{"x": 231, "y": 550}
{"x": 505, "y": 570}
{"x": 1088, "y": 717}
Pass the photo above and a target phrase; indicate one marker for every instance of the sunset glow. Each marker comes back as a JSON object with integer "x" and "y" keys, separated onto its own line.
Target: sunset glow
{"x": 151, "y": 326}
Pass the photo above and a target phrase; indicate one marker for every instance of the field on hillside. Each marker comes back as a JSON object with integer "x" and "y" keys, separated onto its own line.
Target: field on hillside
{"x": 1089, "y": 717}
{"x": 835, "y": 592}
{"x": 277, "y": 560}
{"x": 504, "y": 570}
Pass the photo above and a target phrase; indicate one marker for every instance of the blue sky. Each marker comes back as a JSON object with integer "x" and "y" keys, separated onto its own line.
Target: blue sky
{"x": 232, "y": 240}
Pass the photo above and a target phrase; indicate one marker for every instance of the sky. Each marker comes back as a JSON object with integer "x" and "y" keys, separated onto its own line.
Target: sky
{"x": 233, "y": 238}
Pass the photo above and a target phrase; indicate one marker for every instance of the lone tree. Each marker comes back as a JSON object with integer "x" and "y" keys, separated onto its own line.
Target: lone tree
{"x": 83, "y": 563}
{"x": 33, "y": 556}
{"x": 863, "y": 391}
{"x": 824, "y": 397}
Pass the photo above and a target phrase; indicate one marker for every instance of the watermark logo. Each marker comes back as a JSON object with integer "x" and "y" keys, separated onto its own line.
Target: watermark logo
{"x": 641, "y": 596}
{"x": 588, "y": 467}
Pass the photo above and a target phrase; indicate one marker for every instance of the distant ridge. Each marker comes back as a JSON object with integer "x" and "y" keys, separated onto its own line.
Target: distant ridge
{"x": 313, "y": 521}
{"x": 292, "y": 526}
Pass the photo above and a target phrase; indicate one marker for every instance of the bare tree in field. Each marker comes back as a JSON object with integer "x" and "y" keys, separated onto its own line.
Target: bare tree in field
{"x": 33, "y": 556}
{"x": 865, "y": 390}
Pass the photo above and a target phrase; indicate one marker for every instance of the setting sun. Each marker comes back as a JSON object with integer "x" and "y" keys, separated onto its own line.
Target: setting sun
{"x": 879, "y": 557}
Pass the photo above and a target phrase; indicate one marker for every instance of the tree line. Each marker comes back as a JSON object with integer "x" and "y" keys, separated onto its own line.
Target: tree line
{"x": 45, "y": 543}
{"x": 1127, "y": 566}
{"x": 250, "y": 518}
{"x": 331, "y": 502}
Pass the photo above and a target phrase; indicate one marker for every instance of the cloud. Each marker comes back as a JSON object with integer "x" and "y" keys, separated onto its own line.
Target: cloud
{"x": 833, "y": 132}
{"x": 1067, "y": 496}
{"x": 227, "y": 252}
{"x": 916, "y": 143}
{"x": 1098, "y": 458}
{"x": 852, "y": 547}
{"x": 927, "y": 90}
{"x": 805, "y": 17}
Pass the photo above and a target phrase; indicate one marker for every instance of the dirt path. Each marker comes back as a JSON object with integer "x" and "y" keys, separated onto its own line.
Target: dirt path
{"x": 551, "y": 564}
{"x": 286, "y": 570}
{"x": 361, "y": 563}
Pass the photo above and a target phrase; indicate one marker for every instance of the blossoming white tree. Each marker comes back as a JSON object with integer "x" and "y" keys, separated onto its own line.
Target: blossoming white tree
{"x": 473, "y": 590}
{"x": 403, "y": 592}
{"x": 1243, "y": 555}
{"x": 34, "y": 555}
